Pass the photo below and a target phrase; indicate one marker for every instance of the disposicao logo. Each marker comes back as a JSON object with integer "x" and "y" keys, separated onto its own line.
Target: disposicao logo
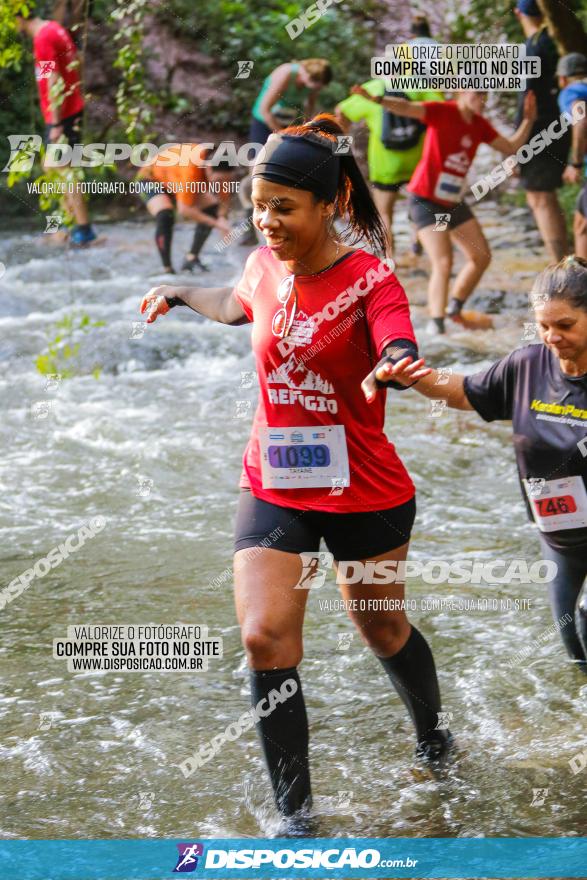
{"x": 187, "y": 860}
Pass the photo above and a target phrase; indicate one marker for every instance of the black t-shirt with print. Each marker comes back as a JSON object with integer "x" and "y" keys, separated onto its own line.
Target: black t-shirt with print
{"x": 548, "y": 410}
{"x": 545, "y": 86}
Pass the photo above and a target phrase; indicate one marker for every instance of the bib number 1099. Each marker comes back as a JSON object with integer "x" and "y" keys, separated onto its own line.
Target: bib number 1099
{"x": 303, "y": 457}
{"x": 299, "y": 456}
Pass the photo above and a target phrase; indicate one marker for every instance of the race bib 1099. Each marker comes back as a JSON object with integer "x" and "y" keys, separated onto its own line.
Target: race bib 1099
{"x": 304, "y": 457}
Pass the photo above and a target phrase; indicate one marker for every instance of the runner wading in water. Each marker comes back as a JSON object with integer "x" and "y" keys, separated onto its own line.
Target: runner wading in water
{"x": 543, "y": 174}
{"x": 543, "y": 389}
{"x": 318, "y": 464}
{"x": 395, "y": 143}
{"x": 62, "y": 103}
{"x": 389, "y": 169}
{"x": 437, "y": 189}
{"x": 181, "y": 176}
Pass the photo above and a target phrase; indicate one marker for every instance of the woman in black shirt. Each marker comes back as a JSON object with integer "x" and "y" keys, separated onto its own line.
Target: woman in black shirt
{"x": 543, "y": 390}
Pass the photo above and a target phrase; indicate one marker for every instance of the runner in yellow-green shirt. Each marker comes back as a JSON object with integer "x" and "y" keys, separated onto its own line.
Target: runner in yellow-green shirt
{"x": 389, "y": 169}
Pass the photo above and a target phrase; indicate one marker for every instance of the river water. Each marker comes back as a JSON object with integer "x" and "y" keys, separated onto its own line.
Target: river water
{"x": 154, "y": 446}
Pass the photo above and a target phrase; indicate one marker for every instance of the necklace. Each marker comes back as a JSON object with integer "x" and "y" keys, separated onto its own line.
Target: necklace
{"x": 330, "y": 265}
{"x": 282, "y": 325}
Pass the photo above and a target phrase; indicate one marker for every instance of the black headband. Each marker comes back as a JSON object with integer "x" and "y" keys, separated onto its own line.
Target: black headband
{"x": 304, "y": 161}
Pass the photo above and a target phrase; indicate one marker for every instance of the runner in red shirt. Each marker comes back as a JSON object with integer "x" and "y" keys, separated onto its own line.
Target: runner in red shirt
{"x": 438, "y": 186}
{"x": 56, "y": 57}
{"x": 318, "y": 464}
{"x": 61, "y": 100}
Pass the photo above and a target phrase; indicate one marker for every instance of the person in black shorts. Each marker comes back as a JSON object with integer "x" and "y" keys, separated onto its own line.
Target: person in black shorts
{"x": 436, "y": 191}
{"x": 542, "y": 389}
{"x": 68, "y": 129}
{"x": 318, "y": 464}
{"x": 395, "y": 143}
{"x": 543, "y": 174}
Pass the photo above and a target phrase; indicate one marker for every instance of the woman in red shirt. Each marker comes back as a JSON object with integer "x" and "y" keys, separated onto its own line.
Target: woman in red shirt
{"x": 318, "y": 464}
{"x": 437, "y": 190}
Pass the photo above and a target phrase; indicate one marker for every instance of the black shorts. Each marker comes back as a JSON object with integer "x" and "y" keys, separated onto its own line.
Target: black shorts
{"x": 72, "y": 129}
{"x": 348, "y": 536}
{"x": 581, "y": 203}
{"x": 389, "y": 187}
{"x": 424, "y": 212}
{"x": 258, "y": 131}
{"x": 544, "y": 172}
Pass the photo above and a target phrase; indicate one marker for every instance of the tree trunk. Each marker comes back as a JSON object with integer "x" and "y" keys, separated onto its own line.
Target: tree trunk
{"x": 59, "y": 12}
{"x": 564, "y": 26}
{"x": 71, "y": 14}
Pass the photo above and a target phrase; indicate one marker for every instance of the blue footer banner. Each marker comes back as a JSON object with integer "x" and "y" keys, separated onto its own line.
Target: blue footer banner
{"x": 347, "y": 857}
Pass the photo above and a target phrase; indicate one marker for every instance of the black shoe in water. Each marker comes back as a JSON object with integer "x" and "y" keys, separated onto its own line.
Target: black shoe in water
{"x": 190, "y": 265}
{"x": 435, "y": 751}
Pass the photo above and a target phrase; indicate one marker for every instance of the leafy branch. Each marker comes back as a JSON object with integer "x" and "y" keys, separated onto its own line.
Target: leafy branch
{"x": 134, "y": 102}
{"x": 10, "y": 44}
{"x": 63, "y": 347}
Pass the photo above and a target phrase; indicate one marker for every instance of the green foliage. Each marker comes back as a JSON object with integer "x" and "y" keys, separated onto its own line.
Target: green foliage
{"x": 233, "y": 30}
{"x": 63, "y": 346}
{"x": 59, "y": 177}
{"x": 580, "y": 9}
{"x": 481, "y": 22}
{"x": 10, "y": 43}
{"x": 18, "y": 110}
{"x": 134, "y": 101}
{"x": 101, "y": 11}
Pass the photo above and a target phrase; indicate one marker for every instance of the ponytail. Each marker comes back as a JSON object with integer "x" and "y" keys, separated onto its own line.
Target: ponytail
{"x": 353, "y": 195}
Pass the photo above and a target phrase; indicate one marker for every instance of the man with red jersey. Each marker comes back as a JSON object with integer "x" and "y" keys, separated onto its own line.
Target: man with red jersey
{"x": 61, "y": 100}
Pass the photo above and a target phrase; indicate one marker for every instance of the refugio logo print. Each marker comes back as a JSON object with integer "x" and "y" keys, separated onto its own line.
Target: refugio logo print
{"x": 187, "y": 861}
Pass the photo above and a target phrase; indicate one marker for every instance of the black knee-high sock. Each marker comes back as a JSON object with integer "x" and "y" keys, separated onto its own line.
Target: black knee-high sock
{"x": 202, "y": 231}
{"x": 568, "y": 600}
{"x": 413, "y": 674}
{"x": 164, "y": 234}
{"x": 284, "y": 738}
{"x": 563, "y": 592}
{"x": 581, "y": 626}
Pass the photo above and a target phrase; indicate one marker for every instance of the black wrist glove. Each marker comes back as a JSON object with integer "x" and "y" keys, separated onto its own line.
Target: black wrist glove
{"x": 174, "y": 301}
{"x": 392, "y": 353}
